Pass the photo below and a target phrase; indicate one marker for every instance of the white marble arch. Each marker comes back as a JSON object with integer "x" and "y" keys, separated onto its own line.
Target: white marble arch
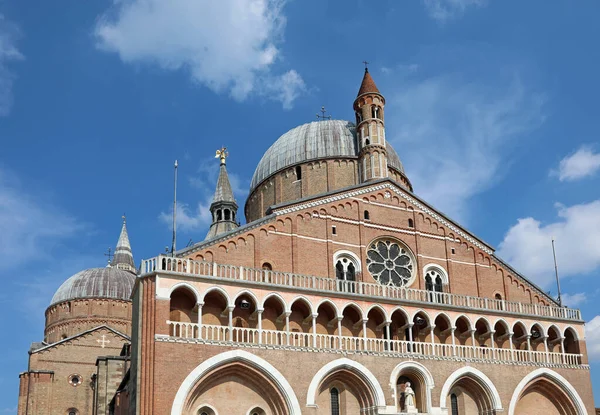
{"x": 345, "y": 363}
{"x": 232, "y": 356}
{"x": 484, "y": 381}
{"x": 429, "y": 383}
{"x": 556, "y": 378}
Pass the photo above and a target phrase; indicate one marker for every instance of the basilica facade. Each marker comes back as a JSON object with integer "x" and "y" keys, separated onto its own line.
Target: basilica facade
{"x": 345, "y": 293}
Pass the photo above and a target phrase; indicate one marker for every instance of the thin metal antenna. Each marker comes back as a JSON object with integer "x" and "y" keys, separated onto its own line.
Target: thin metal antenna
{"x": 174, "y": 243}
{"x": 556, "y": 272}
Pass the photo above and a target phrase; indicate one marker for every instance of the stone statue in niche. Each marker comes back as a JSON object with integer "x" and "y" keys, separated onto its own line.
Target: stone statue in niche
{"x": 408, "y": 402}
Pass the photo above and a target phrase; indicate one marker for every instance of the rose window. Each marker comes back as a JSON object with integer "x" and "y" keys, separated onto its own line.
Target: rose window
{"x": 389, "y": 263}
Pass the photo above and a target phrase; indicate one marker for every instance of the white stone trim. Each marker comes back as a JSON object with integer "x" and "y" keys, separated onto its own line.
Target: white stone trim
{"x": 480, "y": 376}
{"x": 429, "y": 383}
{"x": 348, "y": 254}
{"x": 236, "y": 355}
{"x": 555, "y": 377}
{"x": 398, "y": 192}
{"x": 219, "y": 289}
{"x": 276, "y": 295}
{"x": 249, "y": 294}
{"x": 179, "y": 285}
{"x": 306, "y": 300}
{"x": 345, "y": 363}
{"x": 439, "y": 269}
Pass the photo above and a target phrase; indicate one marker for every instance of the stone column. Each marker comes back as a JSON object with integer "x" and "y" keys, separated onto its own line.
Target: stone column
{"x": 339, "y": 322}
{"x": 452, "y": 329}
{"x": 200, "y": 320}
{"x": 230, "y": 323}
{"x": 364, "y": 328}
{"x": 512, "y": 347}
{"x": 287, "y": 328}
{"x": 410, "y": 337}
{"x": 314, "y": 329}
{"x": 388, "y": 343}
{"x": 259, "y": 313}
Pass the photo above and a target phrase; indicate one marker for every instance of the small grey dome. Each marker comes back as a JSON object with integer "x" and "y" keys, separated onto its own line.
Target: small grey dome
{"x": 109, "y": 282}
{"x": 312, "y": 141}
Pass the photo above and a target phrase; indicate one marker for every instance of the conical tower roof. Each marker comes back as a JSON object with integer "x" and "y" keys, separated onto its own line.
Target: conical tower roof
{"x": 223, "y": 192}
{"x": 123, "y": 258}
{"x": 223, "y": 207}
{"x": 368, "y": 84}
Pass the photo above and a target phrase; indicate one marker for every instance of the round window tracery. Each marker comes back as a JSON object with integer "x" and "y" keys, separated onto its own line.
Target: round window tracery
{"x": 390, "y": 263}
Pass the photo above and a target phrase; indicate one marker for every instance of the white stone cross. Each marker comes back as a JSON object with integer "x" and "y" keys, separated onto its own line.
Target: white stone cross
{"x": 103, "y": 341}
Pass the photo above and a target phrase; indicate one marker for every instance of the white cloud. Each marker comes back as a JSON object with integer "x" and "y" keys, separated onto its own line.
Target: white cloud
{"x": 528, "y": 247}
{"x": 592, "y": 337}
{"x": 189, "y": 218}
{"x": 583, "y": 163}
{"x": 8, "y": 53}
{"x": 196, "y": 217}
{"x": 228, "y": 45}
{"x": 455, "y": 136}
{"x": 444, "y": 10}
{"x": 573, "y": 300}
{"x": 31, "y": 229}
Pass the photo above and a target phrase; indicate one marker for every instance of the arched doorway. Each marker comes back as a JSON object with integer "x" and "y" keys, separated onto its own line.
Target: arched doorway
{"x": 469, "y": 392}
{"x": 545, "y": 392}
{"x": 244, "y": 375}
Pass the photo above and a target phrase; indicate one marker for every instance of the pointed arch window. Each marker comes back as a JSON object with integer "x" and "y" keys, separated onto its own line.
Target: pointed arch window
{"x": 346, "y": 270}
{"x": 335, "y": 401}
{"x": 434, "y": 283}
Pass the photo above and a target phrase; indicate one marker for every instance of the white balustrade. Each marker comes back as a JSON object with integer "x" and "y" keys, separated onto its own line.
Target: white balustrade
{"x": 202, "y": 268}
{"x": 297, "y": 340}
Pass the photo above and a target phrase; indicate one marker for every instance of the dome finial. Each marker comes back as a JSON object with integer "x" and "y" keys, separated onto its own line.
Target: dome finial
{"x": 323, "y": 116}
{"x": 366, "y": 66}
{"x": 110, "y": 255}
{"x": 222, "y": 153}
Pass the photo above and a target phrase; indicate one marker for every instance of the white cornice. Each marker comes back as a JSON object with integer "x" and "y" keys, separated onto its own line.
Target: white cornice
{"x": 397, "y": 191}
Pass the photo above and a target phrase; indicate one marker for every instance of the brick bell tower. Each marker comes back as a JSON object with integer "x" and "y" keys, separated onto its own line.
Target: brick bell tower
{"x": 370, "y": 130}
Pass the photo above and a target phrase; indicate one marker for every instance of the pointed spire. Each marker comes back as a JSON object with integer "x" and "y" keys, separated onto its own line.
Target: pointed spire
{"x": 123, "y": 258}
{"x": 223, "y": 192}
{"x": 223, "y": 207}
{"x": 368, "y": 84}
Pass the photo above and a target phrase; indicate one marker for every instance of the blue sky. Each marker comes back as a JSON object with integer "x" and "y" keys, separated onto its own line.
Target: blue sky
{"x": 491, "y": 105}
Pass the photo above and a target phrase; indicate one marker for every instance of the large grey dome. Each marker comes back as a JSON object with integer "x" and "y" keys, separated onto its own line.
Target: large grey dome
{"x": 315, "y": 140}
{"x": 109, "y": 282}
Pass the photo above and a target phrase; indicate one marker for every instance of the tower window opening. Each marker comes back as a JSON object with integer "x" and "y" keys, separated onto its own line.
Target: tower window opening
{"x": 335, "y": 401}
{"x": 374, "y": 112}
{"x": 453, "y": 251}
{"x": 227, "y": 214}
{"x": 334, "y": 230}
{"x": 411, "y": 223}
{"x": 367, "y": 142}
{"x": 219, "y": 215}
{"x": 298, "y": 173}
{"x": 267, "y": 267}
{"x": 367, "y": 216}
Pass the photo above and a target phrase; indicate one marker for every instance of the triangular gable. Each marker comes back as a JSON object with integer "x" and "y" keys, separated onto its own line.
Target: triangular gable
{"x": 411, "y": 198}
{"x": 378, "y": 185}
{"x": 84, "y": 333}
{"x": 361, "y": 190}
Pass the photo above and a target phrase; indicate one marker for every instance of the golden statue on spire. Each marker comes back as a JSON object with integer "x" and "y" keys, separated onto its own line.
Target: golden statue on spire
{"x": 222, "y": 154}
